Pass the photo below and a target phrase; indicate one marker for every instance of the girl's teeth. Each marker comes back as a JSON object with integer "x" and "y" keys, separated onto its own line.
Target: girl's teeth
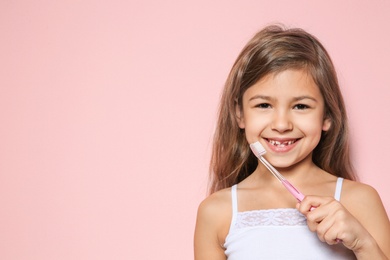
{"x": 277, "y": 143}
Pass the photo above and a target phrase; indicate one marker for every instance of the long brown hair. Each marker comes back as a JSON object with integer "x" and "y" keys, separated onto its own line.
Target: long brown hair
{"x": 272, "y": 50}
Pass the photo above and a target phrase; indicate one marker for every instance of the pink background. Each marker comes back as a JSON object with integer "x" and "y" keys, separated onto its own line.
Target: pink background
{"x": 107, "y": 111}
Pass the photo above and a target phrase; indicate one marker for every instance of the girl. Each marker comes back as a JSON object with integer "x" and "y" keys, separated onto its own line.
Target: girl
{"x": 283, "y": 92}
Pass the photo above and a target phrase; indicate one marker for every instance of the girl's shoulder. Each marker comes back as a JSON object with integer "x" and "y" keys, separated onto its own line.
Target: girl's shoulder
{"x": 360, "y": 198}
{"x": 218, "y": 203}
{"x": 215, "y": 213}
{"x": 353, "y": 190}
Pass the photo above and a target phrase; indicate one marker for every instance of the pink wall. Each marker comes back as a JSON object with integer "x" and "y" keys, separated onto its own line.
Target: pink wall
{"x": 107, "y": 110}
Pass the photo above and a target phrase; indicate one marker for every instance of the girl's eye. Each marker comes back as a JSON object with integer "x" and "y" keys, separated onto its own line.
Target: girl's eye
{"x": 301, "y": 106}
{"x": 263, "y": 105}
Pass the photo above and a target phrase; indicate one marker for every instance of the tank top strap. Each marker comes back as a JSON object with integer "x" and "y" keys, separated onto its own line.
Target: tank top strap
{"x": 339, "y": 186}
{"x": 234, "y": 206}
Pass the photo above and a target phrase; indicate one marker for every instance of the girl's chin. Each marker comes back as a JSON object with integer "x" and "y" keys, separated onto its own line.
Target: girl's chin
{"x": 282, "y": 166}
{"x": 280, "y": 163}
{"x": 284, "y": 163}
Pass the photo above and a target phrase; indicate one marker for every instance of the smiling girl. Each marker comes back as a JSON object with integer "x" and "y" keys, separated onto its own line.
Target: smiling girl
{"x": 283, "y": 92}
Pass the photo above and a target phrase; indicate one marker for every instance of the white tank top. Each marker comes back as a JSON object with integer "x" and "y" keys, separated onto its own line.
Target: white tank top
{"x": 277, "y": 234}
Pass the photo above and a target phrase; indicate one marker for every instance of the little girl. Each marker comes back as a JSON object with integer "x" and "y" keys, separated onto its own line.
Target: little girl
{"x": 283, "y": 92}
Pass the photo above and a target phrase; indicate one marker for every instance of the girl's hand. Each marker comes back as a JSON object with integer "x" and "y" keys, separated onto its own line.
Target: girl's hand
{"x": 333, "y": 223}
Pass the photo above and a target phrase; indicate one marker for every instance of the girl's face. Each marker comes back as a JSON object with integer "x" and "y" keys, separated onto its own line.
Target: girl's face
{"x": 285, "y": 113}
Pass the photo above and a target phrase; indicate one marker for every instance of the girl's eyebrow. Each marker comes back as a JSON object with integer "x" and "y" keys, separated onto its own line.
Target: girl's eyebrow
{"x": 299, "y": 98}
{"x": 304, "y": 97}
{"x": 260, "y": 97}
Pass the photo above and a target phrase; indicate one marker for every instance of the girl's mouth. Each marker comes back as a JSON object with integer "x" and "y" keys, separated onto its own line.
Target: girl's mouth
{"x": 281, "y": 144}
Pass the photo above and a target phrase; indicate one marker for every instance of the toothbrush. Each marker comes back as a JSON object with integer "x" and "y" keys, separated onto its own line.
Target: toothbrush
{"x": 259, "y": 150}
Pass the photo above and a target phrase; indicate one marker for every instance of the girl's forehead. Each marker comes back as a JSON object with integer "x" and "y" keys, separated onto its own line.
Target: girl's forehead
{"x": 285, "y": 82}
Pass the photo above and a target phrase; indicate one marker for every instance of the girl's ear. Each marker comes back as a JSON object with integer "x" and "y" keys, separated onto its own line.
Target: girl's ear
{"x": 239, "y": 117}
{"x": 326, "y": 124}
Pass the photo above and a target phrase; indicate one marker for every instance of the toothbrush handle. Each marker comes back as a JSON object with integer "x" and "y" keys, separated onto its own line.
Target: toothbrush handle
{"x": 294, "y": 191}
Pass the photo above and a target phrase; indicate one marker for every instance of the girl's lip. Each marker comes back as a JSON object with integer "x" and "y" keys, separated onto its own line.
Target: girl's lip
{"x": 281, "y": 139}
{"x": 281, "y": 145}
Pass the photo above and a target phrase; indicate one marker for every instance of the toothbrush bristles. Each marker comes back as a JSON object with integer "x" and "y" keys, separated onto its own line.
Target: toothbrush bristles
{"x": 259, "y": 150}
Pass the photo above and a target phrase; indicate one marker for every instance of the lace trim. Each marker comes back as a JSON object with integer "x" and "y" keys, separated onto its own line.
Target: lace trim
{"x": 270, "y": 217}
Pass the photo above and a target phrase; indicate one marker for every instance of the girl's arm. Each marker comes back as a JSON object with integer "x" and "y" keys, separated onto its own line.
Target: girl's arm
{"x": 209, "y": 224}
{"x": 359, "y": 221}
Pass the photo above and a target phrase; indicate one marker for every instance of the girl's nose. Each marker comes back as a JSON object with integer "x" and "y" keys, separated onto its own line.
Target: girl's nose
{"x": 281, "y": 122}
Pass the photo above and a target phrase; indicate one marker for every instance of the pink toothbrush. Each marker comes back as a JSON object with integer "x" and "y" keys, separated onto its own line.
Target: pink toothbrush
{"x": 259, "y": 150}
